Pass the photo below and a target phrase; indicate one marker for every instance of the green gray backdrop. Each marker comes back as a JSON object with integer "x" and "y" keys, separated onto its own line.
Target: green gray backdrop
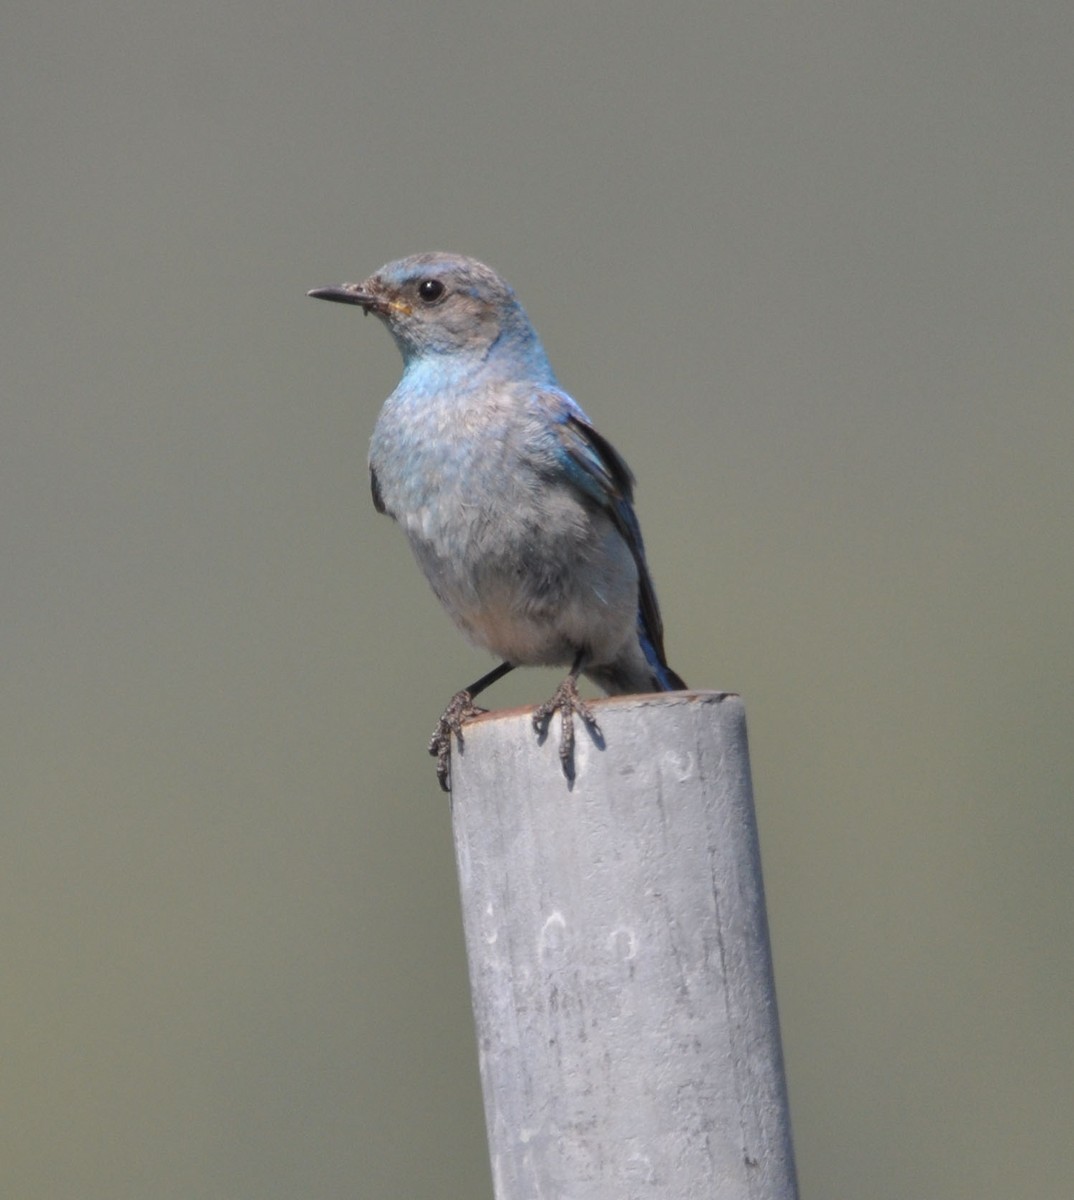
{"x": 809, "y": 266}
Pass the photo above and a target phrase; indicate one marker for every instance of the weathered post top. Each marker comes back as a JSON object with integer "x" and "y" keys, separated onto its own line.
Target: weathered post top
{"x": 619, "y": 956}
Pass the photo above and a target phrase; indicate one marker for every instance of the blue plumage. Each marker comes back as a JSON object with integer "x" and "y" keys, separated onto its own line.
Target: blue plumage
{"x": 518, "y": 511}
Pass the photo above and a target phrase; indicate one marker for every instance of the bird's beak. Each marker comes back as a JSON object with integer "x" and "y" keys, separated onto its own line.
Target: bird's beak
{"x": 352, "y": 293}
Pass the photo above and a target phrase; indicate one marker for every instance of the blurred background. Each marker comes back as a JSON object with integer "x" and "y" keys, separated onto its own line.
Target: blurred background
{"x": 809, "y": 267}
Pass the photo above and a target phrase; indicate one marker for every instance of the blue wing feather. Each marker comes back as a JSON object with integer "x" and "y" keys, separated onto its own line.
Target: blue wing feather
{"x": 598, "y": 471}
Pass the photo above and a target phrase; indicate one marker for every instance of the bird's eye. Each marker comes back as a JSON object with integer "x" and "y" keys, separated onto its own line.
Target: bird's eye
{"x": 430, "y": 290}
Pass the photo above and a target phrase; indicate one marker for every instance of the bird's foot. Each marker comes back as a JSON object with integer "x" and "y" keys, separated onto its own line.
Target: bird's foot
{"x": 566, "y": 701}
{"x": 460, "y": 709}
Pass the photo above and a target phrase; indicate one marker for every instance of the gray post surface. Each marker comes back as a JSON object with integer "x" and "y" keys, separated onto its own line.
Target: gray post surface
{"x": 619, "y": 958}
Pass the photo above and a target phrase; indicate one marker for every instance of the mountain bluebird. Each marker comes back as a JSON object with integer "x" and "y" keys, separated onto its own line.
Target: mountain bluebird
{"x": 517, "y": 510}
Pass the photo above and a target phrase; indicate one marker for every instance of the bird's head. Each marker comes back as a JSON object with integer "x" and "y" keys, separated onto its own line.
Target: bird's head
{"x": 447, "y": 305}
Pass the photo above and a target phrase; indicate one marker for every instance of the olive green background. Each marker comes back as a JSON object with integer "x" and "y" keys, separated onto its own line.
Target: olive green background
{"x": 810, "y": 266}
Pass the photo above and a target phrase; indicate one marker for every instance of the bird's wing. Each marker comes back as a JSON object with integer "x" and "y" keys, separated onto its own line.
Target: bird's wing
{"x": 598, "y": 471}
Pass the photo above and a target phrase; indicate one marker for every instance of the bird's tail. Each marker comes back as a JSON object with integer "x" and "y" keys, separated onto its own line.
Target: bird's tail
{"x": 666, "y": 679}
{"x": 629, "y": 676}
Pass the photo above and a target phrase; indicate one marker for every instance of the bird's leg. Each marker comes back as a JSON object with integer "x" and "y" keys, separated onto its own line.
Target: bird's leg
{"x": 566, "y": 701}
{"x": 460, "y": 708}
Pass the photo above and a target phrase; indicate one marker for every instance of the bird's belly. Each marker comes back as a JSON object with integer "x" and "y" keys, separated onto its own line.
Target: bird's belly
{"x": 531, "y": 600}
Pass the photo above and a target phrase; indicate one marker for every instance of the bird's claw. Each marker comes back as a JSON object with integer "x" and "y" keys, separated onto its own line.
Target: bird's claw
{"x": 566, "y": 701}
{"x": 460, "y": 709}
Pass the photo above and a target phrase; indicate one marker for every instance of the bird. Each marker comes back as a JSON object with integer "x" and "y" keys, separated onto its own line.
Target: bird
{"x": 519, "y": 513}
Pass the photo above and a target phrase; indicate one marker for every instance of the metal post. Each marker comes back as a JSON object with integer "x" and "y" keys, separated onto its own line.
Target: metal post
{"x": 619, "y": 957}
